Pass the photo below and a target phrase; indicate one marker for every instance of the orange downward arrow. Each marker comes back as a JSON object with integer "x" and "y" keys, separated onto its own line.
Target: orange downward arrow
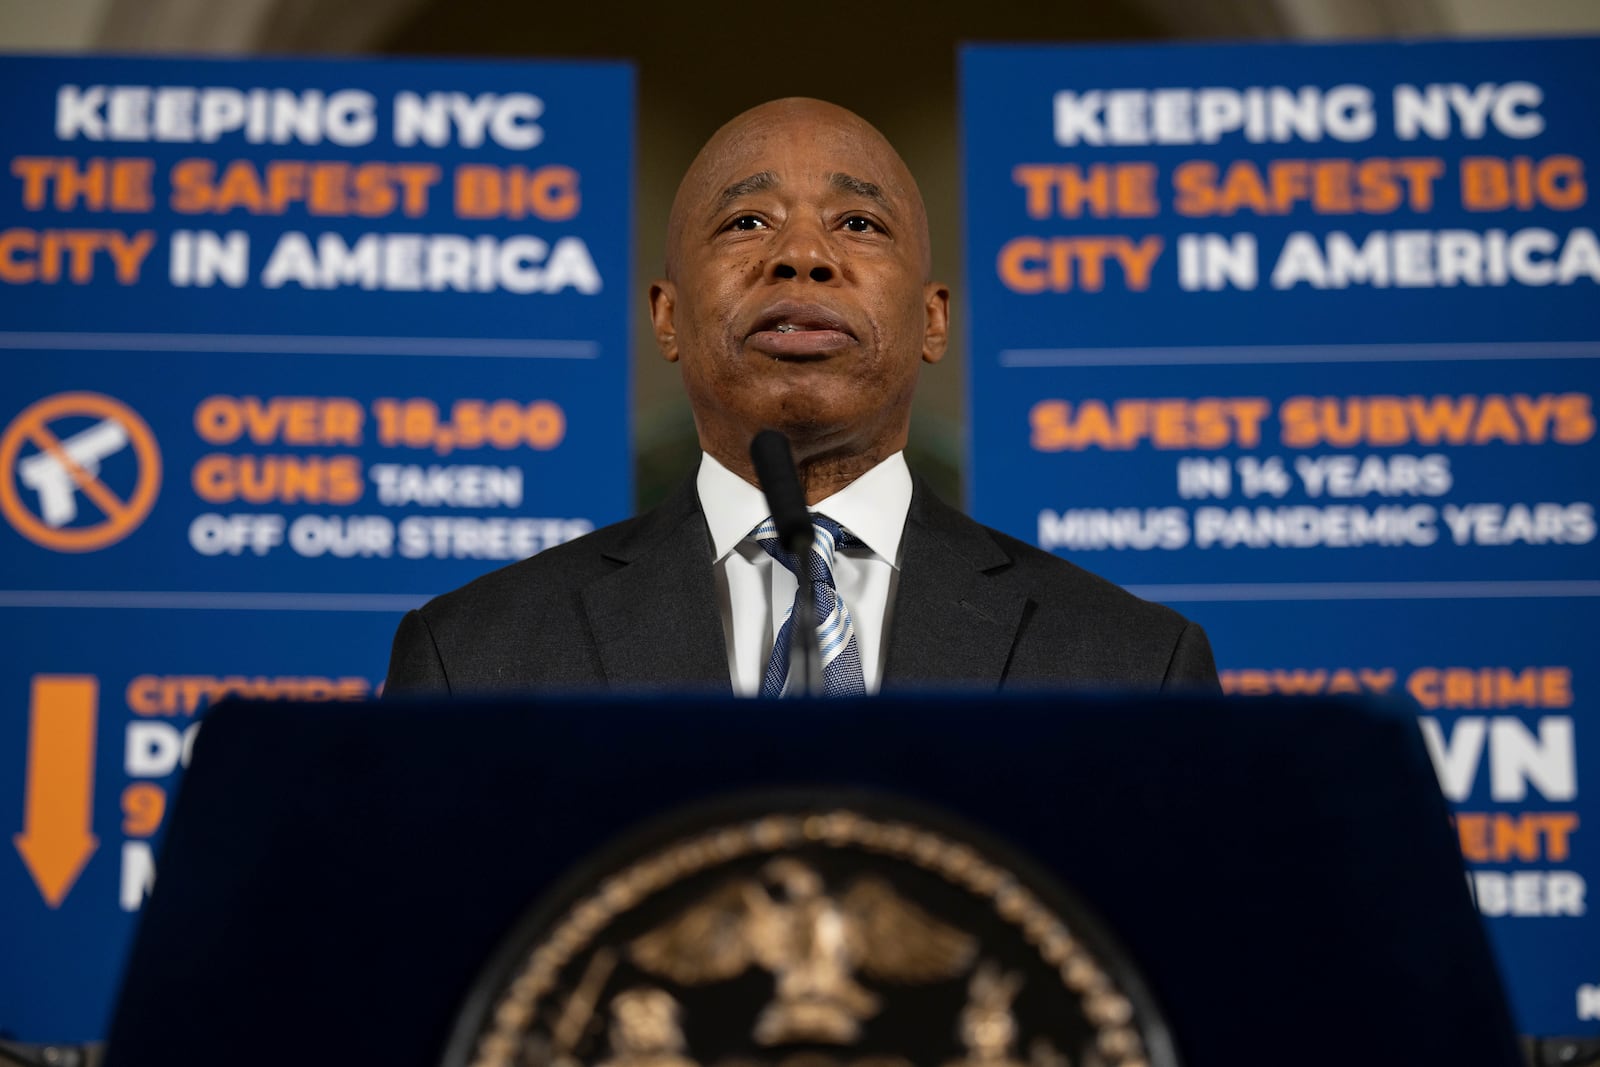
{"x": 56, "y": 842}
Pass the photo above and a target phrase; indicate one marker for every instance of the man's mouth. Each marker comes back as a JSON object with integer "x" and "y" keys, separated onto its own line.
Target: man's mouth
{"x": 800, "y": 331}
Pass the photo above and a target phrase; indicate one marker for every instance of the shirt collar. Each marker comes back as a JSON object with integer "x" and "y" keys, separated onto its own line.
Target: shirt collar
{"x": 873, "y": 507}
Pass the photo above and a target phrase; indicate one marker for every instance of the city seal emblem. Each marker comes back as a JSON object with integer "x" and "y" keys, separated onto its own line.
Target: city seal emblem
{"x": 775, "y": 934}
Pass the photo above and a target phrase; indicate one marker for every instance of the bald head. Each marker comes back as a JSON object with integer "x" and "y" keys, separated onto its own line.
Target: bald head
{"x": 723, "y": 168}
{"x": 797, "y": 294}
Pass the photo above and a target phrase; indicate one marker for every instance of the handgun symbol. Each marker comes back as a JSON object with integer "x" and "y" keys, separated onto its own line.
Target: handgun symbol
{"x": 51, "y": 477}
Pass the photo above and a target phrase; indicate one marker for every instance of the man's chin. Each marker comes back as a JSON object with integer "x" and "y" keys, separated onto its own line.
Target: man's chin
{"x": 815, "y": 429}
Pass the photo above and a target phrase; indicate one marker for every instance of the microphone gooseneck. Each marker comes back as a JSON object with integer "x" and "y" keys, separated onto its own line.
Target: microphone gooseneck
{"x": 780, "y": 482}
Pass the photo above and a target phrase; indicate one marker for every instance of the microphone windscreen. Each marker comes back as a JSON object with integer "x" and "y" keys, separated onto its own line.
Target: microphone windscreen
{"x": 775, "y": 470}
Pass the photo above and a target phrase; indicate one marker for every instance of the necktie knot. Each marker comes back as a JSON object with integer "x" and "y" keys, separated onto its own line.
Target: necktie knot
{"x": 828, "y": 538}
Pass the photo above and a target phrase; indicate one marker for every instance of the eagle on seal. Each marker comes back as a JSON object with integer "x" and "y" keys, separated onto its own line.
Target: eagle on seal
{"x": 813, "y": 944}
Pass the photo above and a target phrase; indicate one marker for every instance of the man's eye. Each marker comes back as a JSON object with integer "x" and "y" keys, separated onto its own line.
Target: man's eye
{"x": 746, "y": 222}
{"x": 860, "y": 224}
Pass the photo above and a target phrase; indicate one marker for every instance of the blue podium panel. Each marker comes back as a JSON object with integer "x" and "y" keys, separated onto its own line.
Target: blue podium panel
{"x": 1265, "y": 866}
{"x": 1302, "y": 339}
{"x": 289, "y": 347}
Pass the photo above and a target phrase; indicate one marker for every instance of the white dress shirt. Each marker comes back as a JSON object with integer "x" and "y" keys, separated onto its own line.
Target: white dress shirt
{"x": 755, "y": 591}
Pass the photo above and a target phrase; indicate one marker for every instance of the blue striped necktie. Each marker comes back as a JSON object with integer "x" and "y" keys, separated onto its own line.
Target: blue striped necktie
{"x": 836, "y": 633}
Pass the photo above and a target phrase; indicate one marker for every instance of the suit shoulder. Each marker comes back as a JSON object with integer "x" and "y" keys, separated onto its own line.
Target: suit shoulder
{"x": 1049, "y": 573}
{"x": 1111, "y": 635}
{"x": 1066, "y": 595}
{"x": 558, "y": 571}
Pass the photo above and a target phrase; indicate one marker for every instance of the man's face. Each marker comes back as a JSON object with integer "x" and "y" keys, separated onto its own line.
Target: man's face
{"x": 797, "y": 294}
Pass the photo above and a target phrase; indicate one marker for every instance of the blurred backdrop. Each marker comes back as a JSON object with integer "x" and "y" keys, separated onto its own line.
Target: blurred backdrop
{"x": 700, "y": 63}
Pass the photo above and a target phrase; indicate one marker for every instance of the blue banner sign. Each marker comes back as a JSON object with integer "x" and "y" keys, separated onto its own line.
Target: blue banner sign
{"x": 290, "y": 347}
{"x": 1302, "y": 339}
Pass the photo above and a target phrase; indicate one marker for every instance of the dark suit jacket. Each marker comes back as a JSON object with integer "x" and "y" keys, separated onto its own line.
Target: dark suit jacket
{"x": 633, "y": 606}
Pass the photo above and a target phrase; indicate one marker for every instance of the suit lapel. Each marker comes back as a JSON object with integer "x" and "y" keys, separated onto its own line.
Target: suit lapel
{"x": 952, "y": 620}
{"x": 656, "y": 616}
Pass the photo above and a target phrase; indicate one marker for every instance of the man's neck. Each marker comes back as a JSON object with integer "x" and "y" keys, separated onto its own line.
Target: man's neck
{"x": 873, "y": 507}
{"x": 820, "y": 476}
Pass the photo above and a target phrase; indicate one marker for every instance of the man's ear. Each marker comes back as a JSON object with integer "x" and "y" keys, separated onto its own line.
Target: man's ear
{"x": 936, "y": 321}
{"x": 663, "y": 307}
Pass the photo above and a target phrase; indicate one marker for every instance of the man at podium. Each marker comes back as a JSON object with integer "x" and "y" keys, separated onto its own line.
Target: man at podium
{"x": 798, "y": 297}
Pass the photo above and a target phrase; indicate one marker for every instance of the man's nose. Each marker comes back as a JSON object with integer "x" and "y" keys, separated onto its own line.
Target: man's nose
{"x": 803, "y": 252}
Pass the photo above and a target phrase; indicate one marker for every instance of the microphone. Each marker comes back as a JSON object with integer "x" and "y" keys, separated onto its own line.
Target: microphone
{"x": 775, "y": 471}
{"x": 780, "y": 482}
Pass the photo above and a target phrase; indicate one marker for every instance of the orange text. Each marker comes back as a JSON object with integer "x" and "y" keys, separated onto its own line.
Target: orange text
{"x": 368, "y": 190}
{"x": 1059, "y": 425}
{"x": 1062, "y": 264}
{"x": 1327, "y": 186}
{"x": 1518, "y": 419}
